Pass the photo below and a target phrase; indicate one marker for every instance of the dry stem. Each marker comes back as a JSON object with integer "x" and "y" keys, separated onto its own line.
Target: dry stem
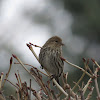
{"x": 77, "y": 67}
{"x": 8, "y": 72}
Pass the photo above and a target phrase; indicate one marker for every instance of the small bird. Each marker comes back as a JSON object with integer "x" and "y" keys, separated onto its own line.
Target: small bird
{"x": 50, "y": 57}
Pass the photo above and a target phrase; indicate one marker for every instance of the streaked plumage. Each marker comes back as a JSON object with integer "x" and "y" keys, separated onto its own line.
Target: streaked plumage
{"x": 49, "y": 56}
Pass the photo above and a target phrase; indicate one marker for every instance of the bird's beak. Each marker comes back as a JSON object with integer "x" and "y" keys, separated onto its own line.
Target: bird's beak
{"x": 62, "y": 44}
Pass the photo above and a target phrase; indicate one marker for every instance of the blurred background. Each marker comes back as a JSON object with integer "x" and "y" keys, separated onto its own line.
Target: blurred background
{"x": 22, "y": 21}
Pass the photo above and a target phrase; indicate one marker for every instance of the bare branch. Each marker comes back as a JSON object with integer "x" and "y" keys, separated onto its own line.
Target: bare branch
{"x": 77, "y": 67}
{"x": 90, "y": 94}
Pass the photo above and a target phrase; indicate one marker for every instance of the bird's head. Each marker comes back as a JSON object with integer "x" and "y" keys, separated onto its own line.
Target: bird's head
{"x": 54, "y": 41}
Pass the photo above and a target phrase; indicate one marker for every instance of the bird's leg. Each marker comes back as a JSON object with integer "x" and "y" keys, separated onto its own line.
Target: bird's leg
{"x": 52, "y": 76}
{"x": 55, "y": 77}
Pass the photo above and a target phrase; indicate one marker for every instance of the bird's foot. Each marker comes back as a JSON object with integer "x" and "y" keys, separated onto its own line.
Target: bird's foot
{"x": 52, "y": 76}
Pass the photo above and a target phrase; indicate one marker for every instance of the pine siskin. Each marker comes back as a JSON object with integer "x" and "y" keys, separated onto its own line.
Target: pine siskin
{"x": 49, "y": 57}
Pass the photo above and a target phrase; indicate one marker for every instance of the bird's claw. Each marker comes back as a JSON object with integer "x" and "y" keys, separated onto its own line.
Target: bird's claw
{"x": 52, "y": 76}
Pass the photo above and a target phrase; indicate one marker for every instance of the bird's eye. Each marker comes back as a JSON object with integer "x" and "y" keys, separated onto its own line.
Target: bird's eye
{"x": 56, "y": 41}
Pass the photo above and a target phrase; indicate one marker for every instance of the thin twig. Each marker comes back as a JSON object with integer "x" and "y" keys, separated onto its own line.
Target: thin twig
{"x": 17, "y": 94}
{"x": 30, "y": 47}
{"x": 95, "y": 63}
{"x": 11, "y": 59}
{"x": 90, "y": 94}
{"x": 34, "y": 68}
{"x": 30, "y": 90}
{"x": 77, "y": 67}
{"x": 23, "y": 65}
{"x": 1, "y": 78}
{"x": 34, "y": 45}
{"x": 81, "y": 94}
{"x": 86, "y": 67}
{"x": 12, "y": 84}
{"x": 60, "y": 88}
{"x": 64, "y": 83}
{"x": 78, "y": 81}
{"x": 66, "y": 76}
{"x": 19, "y": 78}
{"x": 96, "y": 83}
{"x": 86, "y": 86}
